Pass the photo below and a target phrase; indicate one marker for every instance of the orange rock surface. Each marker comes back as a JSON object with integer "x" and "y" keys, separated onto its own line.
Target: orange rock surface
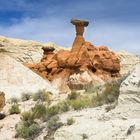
{"x": 83, "y": 56}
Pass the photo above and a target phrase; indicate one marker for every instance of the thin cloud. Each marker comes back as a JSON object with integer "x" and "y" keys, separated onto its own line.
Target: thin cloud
{"x": 116, "y": 36}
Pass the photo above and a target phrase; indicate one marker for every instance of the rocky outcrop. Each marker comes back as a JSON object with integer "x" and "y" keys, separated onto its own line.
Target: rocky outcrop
{"x": 83, "y": 57}
{"x": 24, "y": 51}
{"x": 130, "y": 87}
{"x": 2, "y": 100}
{"x": 16, "y": 79}
{"x": 128, "y": 61}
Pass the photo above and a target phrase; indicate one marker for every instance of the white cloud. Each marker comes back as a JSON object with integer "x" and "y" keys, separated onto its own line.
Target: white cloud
{"x": 60, "y": 31}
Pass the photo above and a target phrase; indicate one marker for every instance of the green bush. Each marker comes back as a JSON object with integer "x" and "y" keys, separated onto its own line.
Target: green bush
{"x": 54, "y": 123}
{"x": 84, "y": 136}
{"x": 14, "y": 109}
{"x": 14, "y": 100}
{"x": 39, "y": 111}
{"x": 27, "y": 116}
{"x": 73, "y": 95}
{"x": 41, "y": 95}
{"x": 80, "y": 103}
{"x": 70, "y": 121}
{"x": 28, "y": 131}
{"x": 54, "y": 110}
{"x": 63, "y": 106}
{"x": 111, "y": 92}
{"x": 25, "y": 96}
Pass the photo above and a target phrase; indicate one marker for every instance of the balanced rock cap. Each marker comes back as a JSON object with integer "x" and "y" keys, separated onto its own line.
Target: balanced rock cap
{"x": 48, "y": 48}
{"x": 78, "y": 22}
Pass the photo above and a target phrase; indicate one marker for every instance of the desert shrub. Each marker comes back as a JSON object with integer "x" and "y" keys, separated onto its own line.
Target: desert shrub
{"x": 84, "y": 136}
{"x": 111, "y": 92}
{"x": 14, "y": 100}
{"x": 70, "y": 121}
{"x": 14, "y": 109}
{"x": 73, "y": 95}
{"x": 27, "y": 116}
{"x": 28, "y": 130}
{"x": 63, "y": 106}
{"x": 54, "y": 123}
{"x": 54, "y": 110}
{"x": 39, "y": 111}
{"x": 90, "y": 88}
{"x": 25, "y": 96}
{"x": 80, "y": 103}
{"x": 50, "y": 112}
{"x": 41, "y": 95}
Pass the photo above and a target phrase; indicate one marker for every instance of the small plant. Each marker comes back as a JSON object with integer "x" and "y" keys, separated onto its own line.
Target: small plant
{"x": 41, "y": 95}
{"x": 73, "y": 95}
{"x": 80, "y": 103}
{"x": 28, "y": 130}
{"x": 14, "y": 100}
{"x": 84, "y": 136}
{"x": 54, "y": 110}
{"x": 25, "y": 96}
{"x": 54, "y": 123}
{"x": 27, "y": 116}
{"x": 63, "y": 106}
{"x": 111, "y": 92}
{"x": 39, "y": 111}
{"x": 70, "y": 121}
{"x": 14, "y": 109}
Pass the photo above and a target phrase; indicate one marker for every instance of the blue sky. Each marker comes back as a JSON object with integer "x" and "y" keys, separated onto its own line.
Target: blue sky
{"x": 113, "y": 23}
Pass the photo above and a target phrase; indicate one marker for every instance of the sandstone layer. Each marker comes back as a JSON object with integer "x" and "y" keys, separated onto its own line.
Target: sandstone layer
{"x": 128, "y": 61}
{"x": 24, "y": 51}
{"x": 83, "y": 57}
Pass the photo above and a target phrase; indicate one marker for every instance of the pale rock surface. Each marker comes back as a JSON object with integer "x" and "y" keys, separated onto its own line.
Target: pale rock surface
{"x": 16, "y": 79}
{"x": 25, "y": 51}
{"x": 21, "y": 50}
{"x": 7, "y": 127}
{"x": 127, "y": 60}
{"x": 131, "y": 86}
{"x": 81, "y": 79}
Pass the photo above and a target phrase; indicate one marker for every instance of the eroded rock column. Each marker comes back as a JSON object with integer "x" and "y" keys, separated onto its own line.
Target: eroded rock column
{"x": 79, "y": 40}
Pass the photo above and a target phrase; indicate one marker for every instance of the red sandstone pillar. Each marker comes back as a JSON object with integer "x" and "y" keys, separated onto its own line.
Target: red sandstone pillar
{"x": 79, "y": 40}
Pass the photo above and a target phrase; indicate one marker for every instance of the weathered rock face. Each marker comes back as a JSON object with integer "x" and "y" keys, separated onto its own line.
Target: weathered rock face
{"x": 16, "y": 79}
{"x": 128, "y": 61}
{"x": 2, "y": 100}
{"x": 83, "y": 56}
{"x": 130, "y": 87}
{"x": 24, "y": 51}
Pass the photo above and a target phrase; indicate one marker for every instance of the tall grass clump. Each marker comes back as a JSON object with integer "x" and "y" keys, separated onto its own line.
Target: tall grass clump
{"x": 42, "y": 95}
{"x": 28, "y": 130}
{"x": 25, "y": 96}
{"x": 14, "y": 109}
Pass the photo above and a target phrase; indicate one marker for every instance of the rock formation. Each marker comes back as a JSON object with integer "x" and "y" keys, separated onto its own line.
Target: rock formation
{"x": 83, "y": 57}
{"x": 24, "y": 51}
{"x": 128, "y": 61}
{"x": 130, "y": 87}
